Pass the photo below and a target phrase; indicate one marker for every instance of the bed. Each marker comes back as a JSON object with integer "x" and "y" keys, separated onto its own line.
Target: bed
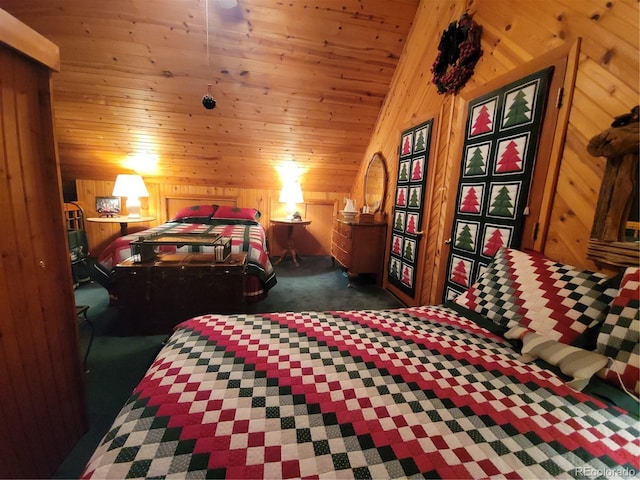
{"x": 240, "y": 224}
{"x": 458, "y": 390}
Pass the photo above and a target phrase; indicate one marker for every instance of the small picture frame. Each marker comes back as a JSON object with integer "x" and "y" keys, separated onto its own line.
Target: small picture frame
{"x": 108, "y": 206}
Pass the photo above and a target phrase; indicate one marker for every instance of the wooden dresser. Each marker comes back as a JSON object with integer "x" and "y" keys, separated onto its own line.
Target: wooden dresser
{"x": 359, "y": 247}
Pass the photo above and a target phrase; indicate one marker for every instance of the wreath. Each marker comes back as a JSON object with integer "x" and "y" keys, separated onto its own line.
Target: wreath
{"x": 459, "y": 51}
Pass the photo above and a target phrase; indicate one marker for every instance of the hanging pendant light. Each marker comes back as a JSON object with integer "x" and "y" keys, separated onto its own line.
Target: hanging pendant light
{"x": 207, "y": 100}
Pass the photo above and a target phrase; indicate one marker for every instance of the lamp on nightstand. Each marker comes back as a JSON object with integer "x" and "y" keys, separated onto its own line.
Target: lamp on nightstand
{"x": 291, "y": 194}
{"x": 132, "y": 187}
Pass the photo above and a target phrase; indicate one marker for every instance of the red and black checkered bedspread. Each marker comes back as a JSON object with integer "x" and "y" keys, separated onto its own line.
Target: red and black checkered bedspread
{"x": 360, "y": 394}
{"x": 249, "y": 237}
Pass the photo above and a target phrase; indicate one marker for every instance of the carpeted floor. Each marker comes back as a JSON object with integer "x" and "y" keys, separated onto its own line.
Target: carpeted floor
{"x": 116, "y": 364}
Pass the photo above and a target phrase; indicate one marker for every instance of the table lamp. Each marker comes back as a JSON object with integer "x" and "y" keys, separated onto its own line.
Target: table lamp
{"x": 132, "y": 187}
{"x": 291, "y": 194}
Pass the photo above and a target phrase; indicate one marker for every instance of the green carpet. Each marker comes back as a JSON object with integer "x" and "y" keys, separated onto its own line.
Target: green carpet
{"x": 116, "y": 364}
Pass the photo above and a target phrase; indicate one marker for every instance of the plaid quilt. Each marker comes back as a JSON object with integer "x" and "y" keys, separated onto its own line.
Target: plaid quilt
{"x": 250, "y": 238}
{"x": 413, "y": 392}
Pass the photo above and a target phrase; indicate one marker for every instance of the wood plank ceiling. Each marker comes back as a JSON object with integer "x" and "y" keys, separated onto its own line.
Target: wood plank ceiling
{"x": 300, "y": 80}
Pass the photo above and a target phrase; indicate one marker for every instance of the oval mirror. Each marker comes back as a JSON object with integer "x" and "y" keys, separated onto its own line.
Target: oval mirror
{"x": 375, "y": 183}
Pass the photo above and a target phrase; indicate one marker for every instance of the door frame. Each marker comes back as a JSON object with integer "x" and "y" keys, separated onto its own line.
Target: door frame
{"x": 564, "y": 59}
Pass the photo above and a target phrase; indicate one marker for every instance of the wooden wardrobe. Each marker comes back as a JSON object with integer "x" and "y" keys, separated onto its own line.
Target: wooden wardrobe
{"x": 42, "y": 407}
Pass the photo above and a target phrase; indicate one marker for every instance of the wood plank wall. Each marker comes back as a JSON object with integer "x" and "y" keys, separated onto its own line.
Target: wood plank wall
{"x": 42, "y": 412}
{"x": 514, "y": 33}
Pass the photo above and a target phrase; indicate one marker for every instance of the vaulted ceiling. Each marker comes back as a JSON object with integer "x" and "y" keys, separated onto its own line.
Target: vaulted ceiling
{"x": 300, "y": 80}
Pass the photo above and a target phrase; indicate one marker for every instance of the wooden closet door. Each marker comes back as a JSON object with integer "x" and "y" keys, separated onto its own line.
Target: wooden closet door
{"x": 507, "y": 172}
{"x": 41, "y": 388}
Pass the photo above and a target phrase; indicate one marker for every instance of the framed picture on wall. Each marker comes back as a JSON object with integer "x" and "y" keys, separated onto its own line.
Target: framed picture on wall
{"x": 108, "y": 206}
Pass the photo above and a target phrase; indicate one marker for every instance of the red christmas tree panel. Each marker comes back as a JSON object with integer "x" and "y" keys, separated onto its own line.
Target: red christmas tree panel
{"x": 406, "y": 144}
{"x": 412, "y": 223}
{"x": 417, "y": 169}
{"x": 396, "y": 245}
{"x": 460, "y": 271}
{"x": 511, "y": 153}
{"x": 495, "y": 237}
{"x": 407, "y": 275}
{"x": 401, "y": 200}
{"x": 482, "y": 118}
{"x": 471, "y": 199}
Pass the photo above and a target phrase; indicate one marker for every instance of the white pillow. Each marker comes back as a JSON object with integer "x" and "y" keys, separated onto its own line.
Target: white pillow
{"x": 572, "y": 361}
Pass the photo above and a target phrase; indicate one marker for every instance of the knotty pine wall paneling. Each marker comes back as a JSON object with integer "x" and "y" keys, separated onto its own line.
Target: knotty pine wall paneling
{"x": 317, "y": 206}
{"x": 41, "y": 384}
{"x": 514, "y": 33}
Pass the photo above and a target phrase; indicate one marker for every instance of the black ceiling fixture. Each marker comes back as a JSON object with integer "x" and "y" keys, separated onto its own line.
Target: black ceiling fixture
{"x": 208, "y": 101}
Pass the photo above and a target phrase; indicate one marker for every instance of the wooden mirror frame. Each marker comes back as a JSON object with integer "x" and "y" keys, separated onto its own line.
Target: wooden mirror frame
{"x": 375, "y": 182}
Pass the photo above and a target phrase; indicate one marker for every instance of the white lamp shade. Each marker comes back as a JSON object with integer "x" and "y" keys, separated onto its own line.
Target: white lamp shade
{"x": 291, "y": 193}
{"x": 132, "y": 187}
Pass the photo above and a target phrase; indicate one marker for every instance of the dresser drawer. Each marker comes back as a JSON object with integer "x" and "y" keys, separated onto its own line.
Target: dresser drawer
{"x": 343, "y": 256}
{"x": 342, "y": 241}
{"x": 343, "y": 229}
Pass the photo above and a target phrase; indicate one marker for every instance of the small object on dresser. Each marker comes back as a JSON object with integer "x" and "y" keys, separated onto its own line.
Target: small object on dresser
{"x": 364, "y": 218}
{"x": 222, "y": 249}
{"x": 348, "y": 216}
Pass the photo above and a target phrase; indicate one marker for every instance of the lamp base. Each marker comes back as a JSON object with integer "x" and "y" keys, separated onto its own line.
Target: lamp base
{"x": 133, "y": 208}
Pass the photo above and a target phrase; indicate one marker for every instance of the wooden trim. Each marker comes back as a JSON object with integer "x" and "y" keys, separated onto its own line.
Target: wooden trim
{"x": 557, "y": 129}
{"x": 557, "y": 147}
{"x": 27, "y": 41}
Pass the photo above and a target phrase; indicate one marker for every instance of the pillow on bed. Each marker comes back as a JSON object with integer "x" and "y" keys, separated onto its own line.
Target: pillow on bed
{"x": 620, "y": 332}
{"x": 195, "y": 214}
{"x": 236, "y": 212}
{"x": 527, "y": 289}
{"x": 574, "y": 362}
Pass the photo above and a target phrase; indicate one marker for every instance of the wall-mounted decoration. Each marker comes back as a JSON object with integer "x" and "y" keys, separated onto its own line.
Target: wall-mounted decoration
{"x": 407, "y": 212}
{"x": 458, "y": 52}
{"x": 499, "y": 154}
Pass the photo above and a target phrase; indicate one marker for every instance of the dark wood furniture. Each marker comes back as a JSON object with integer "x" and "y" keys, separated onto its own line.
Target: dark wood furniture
{"x": 291, "y": 249}
{"x": 155, "y": 296}
{"x": 359, "y": 247}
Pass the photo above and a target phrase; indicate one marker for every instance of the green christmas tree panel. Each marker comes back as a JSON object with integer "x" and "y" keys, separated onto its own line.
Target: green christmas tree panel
{"x": 519, "y": 105}
{"x": 503, "y": 199}
{"x": 477, "y": 159}
{"x": 466, "y": 234}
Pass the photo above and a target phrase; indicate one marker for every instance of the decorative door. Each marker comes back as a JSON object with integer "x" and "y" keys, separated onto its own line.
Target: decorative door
{"x": 407, "y": 212}
{"x": 501, "y": 140}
